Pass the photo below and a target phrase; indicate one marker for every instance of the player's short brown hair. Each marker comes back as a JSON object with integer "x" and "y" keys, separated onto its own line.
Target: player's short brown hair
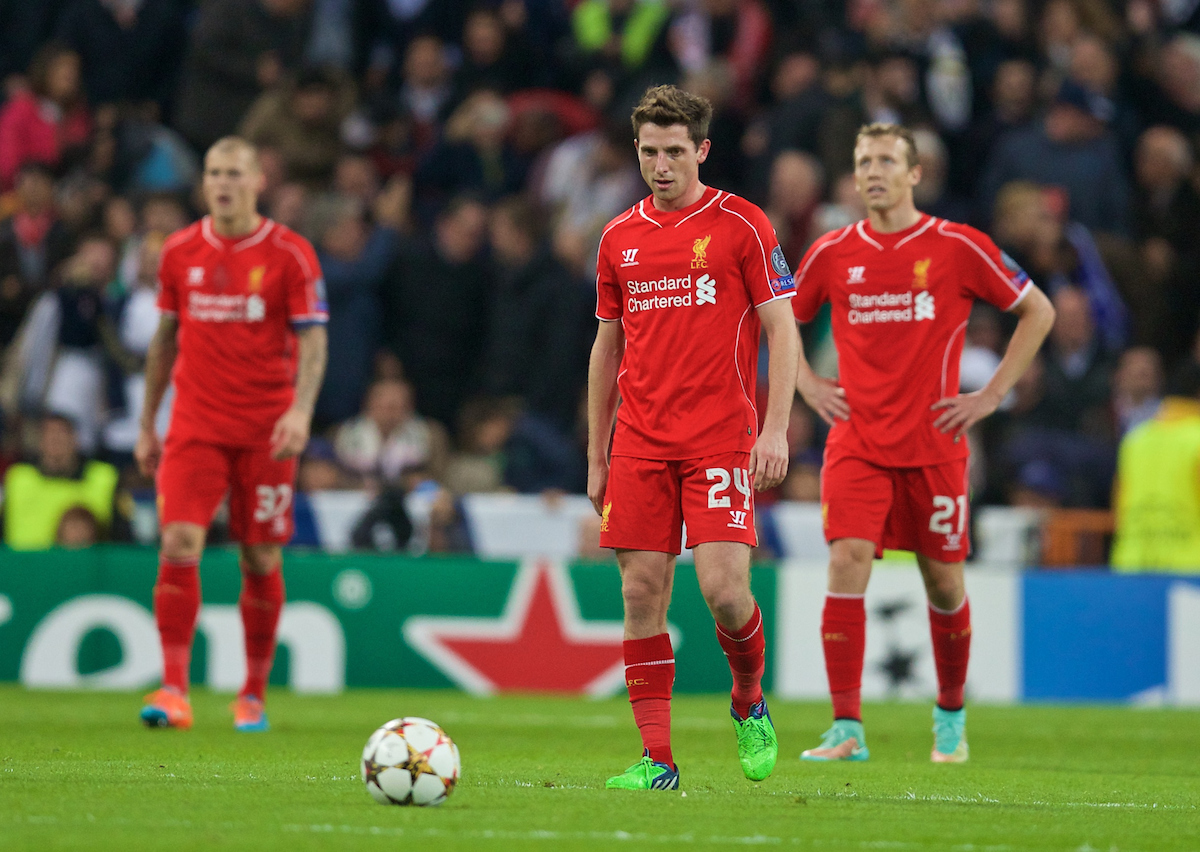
{"x": 883, "y": 128}
{"x": 232, "y": 144}
{"x": 668, "y": 105}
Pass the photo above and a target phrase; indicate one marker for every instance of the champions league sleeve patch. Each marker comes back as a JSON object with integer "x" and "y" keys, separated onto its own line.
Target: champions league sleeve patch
{"x": 1019, "y": 276}
{"x": 783, "y": 282}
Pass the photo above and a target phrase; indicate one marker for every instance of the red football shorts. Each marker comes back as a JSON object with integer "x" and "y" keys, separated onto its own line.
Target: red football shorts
{"x": 648, "y": 502}
{"x": 922, "y": 509}
{"x": 194, "y": 477}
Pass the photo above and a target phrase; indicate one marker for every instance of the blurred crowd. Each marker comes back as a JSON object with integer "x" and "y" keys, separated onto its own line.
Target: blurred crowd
{"x": 454, "y": 163}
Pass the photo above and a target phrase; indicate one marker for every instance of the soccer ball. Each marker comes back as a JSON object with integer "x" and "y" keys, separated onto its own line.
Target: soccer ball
{"x": 410, "y": 761}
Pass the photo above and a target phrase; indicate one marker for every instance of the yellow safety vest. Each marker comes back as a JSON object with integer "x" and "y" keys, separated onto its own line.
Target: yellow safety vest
{"x": 1158, "y": 492}
{"x": 34, "y": 503}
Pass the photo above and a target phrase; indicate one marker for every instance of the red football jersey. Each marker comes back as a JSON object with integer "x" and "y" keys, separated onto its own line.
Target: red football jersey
{"x": 900, "y": 304}
{"x": 238, "y": 302}
{"x": 684, "y": 285}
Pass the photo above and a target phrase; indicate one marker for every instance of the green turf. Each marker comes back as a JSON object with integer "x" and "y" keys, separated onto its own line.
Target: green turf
{"x": 78, "y": 772}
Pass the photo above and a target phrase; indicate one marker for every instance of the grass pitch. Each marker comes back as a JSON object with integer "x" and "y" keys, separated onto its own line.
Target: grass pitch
{"x": 77, "y": 771}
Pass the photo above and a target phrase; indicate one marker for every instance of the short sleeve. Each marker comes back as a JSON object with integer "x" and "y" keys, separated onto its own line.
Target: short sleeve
{"x": 168, "y": 290}
{"x": 306, "y": 300}
{"x": 993, "y": 275}
{"x": 764, "y": 268}
{"x": 812, "y": 283}
{"x": 608, "y": 289}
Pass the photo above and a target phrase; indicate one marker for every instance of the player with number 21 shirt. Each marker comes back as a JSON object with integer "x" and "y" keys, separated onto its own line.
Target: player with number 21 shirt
{"x": 901, "y": 285}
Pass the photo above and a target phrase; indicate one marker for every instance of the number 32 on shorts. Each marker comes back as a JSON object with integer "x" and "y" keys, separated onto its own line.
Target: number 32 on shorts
{"x": 273, "y": 501}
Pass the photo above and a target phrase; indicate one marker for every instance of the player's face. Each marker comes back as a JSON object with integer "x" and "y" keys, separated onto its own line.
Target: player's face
{"x": 670, "y": 163}
{"x": 231, "y": 183}
{"x": 882, "y": 175}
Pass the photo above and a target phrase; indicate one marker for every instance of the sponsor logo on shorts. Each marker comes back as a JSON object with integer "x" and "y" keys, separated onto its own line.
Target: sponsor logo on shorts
{"x": 737, "y": 519}
{"x": 953, "y": 541}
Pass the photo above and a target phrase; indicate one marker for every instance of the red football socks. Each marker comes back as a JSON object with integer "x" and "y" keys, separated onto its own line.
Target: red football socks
{"x": 745, "y": 648}
{"x": 951, "y": 632}
{"x": 260, "y": 603}
{"x": 176, "y": 605}
{"x": 649, "y": 676}
{"x": 844, "y": 637}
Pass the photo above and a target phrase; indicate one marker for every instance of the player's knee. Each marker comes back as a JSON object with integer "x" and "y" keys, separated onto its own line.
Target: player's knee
{"x": 729, "y": 604}
{"x": 261, "y": 559}
{"x": 182, "y": 541}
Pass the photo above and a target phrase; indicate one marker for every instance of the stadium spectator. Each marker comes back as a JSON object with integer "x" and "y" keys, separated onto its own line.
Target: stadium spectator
{"x": 237, "y": 49}
{"x": 130, "y": 49}
{"x": 33, "y": 241}
{"x": 1137, "y": 387}
{"x": 390, "y": 444}
{"x": 60, "y": 354}
{"x": 476, "y": 466}
{"x": 425, "y": 90}
{"x": 435, "y": 309}
{"x": 1013, "y": 101}
{"x": 473, "y": 155}
{"x": 77, "y": 528}
{"x": 796, "y": 187}
{"x": 493, "y": 57}
{"x": 301, "y": 118}
{"x": 1072, "y": 149}
{"x": 355, "y": 257}
{"x": 542, "y": 319}
{"x": 48, "y": 122}
{"x": 737, "y": 31}
{"x": 587, "y": 181}
{"x": 37, "y": 494}
{"x": 626, "y": 40}
{"x": 1158, "y": 486}
{"x": 1166, "y": 216}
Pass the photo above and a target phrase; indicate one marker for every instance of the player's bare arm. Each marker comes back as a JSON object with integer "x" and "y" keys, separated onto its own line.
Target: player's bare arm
{"x": 1035, "y": 316}
{"x": 769, "y": 456}
{"x": 290, "y": 435}
{"x": 160, "y": 359}
{"x": 603, "y": 367}
{"x": 822, "y": 395}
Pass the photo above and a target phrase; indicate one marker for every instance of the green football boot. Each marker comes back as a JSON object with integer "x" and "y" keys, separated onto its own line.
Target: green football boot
{"x": 757, "y": 745}
{"x": 645, "y": 775}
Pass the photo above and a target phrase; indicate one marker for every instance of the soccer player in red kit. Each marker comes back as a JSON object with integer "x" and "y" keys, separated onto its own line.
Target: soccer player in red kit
{"x": 687, "y": 279}
{"x": 242, "y": 335}
{"x": 901, "y": 285}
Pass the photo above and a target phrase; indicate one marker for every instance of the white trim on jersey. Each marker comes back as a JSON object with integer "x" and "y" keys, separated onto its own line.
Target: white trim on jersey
{"x": 207, "y": 231}
{"x": 710, "y": 203}
{"x": 1020, "y": 296}
{"x": 804, "y": 269}
{"x": 946, "y": 355}
{"x": 642, "y": 213}
{"x": 1006, "y": 278}
{"x": 762, "y": 249}
{"x": 256, "y": 238}
{"x": 600, "y": 253}
{"x": 862, "y": 233}
{"x": 737, "y": 341}
{"x": 917, "y": 232}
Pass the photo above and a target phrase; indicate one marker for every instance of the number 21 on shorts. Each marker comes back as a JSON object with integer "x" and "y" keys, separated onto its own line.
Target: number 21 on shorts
{"x": 944, "y": 510}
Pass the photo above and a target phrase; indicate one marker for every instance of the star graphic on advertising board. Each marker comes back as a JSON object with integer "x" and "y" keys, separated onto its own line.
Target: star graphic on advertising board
{"x": 898, "y": 666}
{"x": 538, "y": 644}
